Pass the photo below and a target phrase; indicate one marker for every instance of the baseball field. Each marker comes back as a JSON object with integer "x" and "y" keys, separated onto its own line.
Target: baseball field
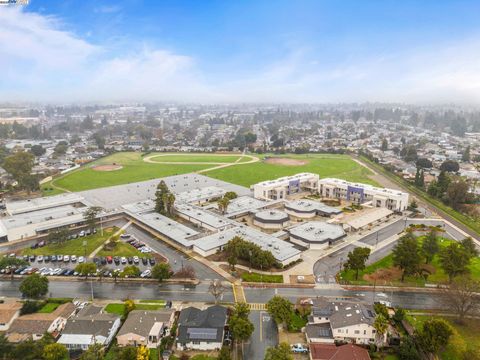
{"x": 129, "y": 167}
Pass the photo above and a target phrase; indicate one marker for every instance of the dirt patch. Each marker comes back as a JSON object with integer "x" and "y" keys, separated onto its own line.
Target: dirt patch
{"x": 384, "y": 276}
{"x": 112, "y": 167}
{"x": 286, "y": 161}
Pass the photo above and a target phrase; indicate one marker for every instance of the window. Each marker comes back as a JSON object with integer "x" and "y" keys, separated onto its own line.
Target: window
{"x": 364, "y": 332}
{"x": 373, "y": 331}
{"x": 339, "y": 331}
{"x": 357, "y": 331}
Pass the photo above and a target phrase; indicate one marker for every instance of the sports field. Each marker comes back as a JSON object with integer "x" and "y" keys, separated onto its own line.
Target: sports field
{"x": 129, "y": 167}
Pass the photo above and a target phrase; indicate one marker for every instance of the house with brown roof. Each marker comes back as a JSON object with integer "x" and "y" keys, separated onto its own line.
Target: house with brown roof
{"x": 35, "y": 325}
{"x": 145, "y": 327}
{"x": 343, "y": 352}
{"x": 8, "y": 313}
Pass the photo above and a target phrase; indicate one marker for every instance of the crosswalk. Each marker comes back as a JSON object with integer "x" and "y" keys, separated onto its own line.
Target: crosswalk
{"x": 257, "y": 306}
{"x": 238, "y": 293}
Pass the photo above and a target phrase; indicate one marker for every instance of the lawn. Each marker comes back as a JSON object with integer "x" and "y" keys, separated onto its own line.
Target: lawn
{"x": 296, "y": 322}
{"x": 114, "y": 308}
{"x": 325, "y": 165}
{"x": 436, "y": 277}
{"x": 74, "y": 246}
{"x": 467, "y": 336}
{"x": 136, "y": 169}
{"x": 256, "y": 277}
{"x": 210, "y": 158}
{"x": 49, "y": 307}
{"x": 123, "y": 249}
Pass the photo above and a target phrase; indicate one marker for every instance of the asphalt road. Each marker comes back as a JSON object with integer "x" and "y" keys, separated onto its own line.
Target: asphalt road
{"x": 199, "y": 293}
{"x": 115, "y": 291}
{"x": 265, "y": 335}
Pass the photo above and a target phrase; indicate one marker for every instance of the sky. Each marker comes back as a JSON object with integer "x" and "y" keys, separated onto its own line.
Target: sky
{"x": 228, "y": 51}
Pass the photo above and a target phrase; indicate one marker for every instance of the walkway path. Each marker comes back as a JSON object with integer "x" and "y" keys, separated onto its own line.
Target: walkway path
{"x": 119, "y": 231}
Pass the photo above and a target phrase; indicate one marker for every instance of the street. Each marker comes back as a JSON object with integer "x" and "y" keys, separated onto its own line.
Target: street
{"x": 265, "y": 335}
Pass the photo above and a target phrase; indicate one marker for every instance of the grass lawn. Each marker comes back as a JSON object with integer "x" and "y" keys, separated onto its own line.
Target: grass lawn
{"x": 211, "y": 158}
{"x": 123, "y": 249}
{"x": 134, "y": 170}
{"x": 118, "y": 308}
{"x": 467, "y": 336}
{"x": 49, "y": 308}
{"x": 296, "y": 322}
{"x": 438, "y": 276}
{"x": 202, "y": 357}
{"x": 326, "y": 165}
{"x": 256, "y": 277}
{"x": 74, "y": 246}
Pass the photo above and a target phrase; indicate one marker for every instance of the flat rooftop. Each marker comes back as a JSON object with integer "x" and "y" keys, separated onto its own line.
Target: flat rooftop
{"x": 280, "y": 249}
{"x": 361, "y": 185}
{"x": 309, "y": 206}
{"x": 203, "y": 216}
{"x": 317, "y": 232}
{"x": 365, "y": 217}
{"x": 245, "y": 204}
{"x": 200, "y": 194}
{"x": 271, "y": 216}
{"x": 35, "y": 204}
{"x": 286, "y": 179}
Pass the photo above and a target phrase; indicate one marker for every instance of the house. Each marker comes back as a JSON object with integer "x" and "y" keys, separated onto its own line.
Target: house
{"x": 8, "y": 313}
{"x": 342, "y": 321}
{"x": 145, "y": 327}
{"x": 343, "y": 352}
{"x": 35, "y": 325}
{"x": 201, "y": 329}
{"x": 91, "y": 325}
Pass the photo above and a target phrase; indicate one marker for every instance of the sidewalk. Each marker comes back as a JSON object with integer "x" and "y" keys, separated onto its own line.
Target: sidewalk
{"x": 92, "y": 255}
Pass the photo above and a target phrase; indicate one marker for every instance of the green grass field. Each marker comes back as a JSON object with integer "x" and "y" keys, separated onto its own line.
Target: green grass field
{"x": 437, "y": 277}
{"x": 123, "y": 249}
{"x": 267, "y": 278}
{"x": 74, "y": 246}
{"x": 197, "y": 158}
{"x": 136, "y": 169}
{"x": 325, "y": 165}
{"x": 49, "y": 307}
{"x": 466, "y": 336}
{"x": 118, "y": 308}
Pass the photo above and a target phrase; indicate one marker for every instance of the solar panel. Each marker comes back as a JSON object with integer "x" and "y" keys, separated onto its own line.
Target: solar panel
{"x": 202, "y": 333}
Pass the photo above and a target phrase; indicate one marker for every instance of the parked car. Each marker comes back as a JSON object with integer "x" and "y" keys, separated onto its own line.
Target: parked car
{"x": 144, "y": 261}
{"x": 40, "y": 258}
{"x": 109, "y": 259}
{"x": 151, "y": 261}
{"x": 130, "y": 260}
{"x": 73, "y": 258}
{"x": 116, "y": 260}
{"x": 53, "y": 258}
{"x": 103, "y": 260}
{"x": 82, "y": 233}
{"x": 146, "y": 273}
{"x": 136, "y": 260}
{"x": 81, "y": 259}
{"x": 46, "y": 258}
{"x": 59, "y": 257}
{"x": 125, "y": 236}
{"x": 299, "y": 349}
{"x": 66, "y": 258}
{"x": 123, "y": 260}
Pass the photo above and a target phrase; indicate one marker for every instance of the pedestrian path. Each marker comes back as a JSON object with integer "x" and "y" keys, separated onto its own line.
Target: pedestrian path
{"x": 238, "y": 293}
{"x": 257, "y": 306}
{"x": 120, "y": 231}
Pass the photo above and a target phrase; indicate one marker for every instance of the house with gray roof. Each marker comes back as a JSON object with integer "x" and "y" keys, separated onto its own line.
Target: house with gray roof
{"x": 344, "y": 321}
{"x": 201, "y": 329}
{"x": 91, "y": 325}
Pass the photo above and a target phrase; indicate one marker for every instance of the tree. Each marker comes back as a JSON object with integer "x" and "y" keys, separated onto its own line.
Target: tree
{"x": 406, "y": 255}
{"x": 280, "y": 352}
{"x": 20, "y": 165}
{"x": 430, "y": 246}
{"x": 55, "y": 352}
{"x": 164, "y": 200}
{"x": 161, "y": 272}
{"x": 280, "y": 309}
{"x": 250, "y": 138}
{"x": 224, "y": 354}
{"x": 5, "y": 347}
{"x": 239, "y": 324}
{"x": 58, "y": 236}
{"x": 434, "y": 335}
{"x": 129, "y": 305}
{"x": 90, "y": 216}
{"x": 357, "y": 259}
{"x": 381, "y": 325}
{"x": 384, "y": 145}
{"x": 419, "y": 178}
{"x": 409, "y": 153}
{"x": 469, "y": 245}
{"x": 95, "y": 351}
{"x": 223, "y": 204}
{"x": 37, "y": 150}
{"x": 216, "y": 289}
{"x": 450, "y": 166}
{"x": 408, "y": 349}
{"x": 61, "y": 148}
{"x": 130, "y": 271}
{"x": 399, "y": 315}
{"x": 443, "y": 180}
{"x": 11, "y": 263}
{"x": 466, "y": 154}
{"x": 26, "y": 350}
{"x": 457, "y": 192}
{"x": 424, "y": 163}
{"x": 461, "y": 297}
{"x": 34, "y": 286}
{"x": 230, "y": 195}
{"x": 86, "y": 269}
{"x": 143, "y": 353}
{"x": 454, "y": 260}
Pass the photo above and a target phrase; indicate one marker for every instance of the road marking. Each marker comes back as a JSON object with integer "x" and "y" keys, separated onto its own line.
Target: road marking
{"x": 261, "y": 327}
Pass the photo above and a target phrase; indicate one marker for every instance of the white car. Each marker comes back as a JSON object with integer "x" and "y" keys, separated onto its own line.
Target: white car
{"x": 82, "y": 233}
{"x": 66, "y": 258}
{"x": 136, "y": 260}
{"x": 73, "y": 258}
{"x": 59, "y": 257}
{"x": 81, "y": 259}
{"x": 123, "y": 260}
{"x": 40, "y": 258}
{"x": 147, "y": 273}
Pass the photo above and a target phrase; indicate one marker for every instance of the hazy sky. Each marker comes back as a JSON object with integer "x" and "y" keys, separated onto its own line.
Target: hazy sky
{"x": 234, "y": 51}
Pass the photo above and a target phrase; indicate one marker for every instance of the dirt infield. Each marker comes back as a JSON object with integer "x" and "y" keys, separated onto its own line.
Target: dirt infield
{"x": 107, "y": 167}
{"x": 286, "y": 161}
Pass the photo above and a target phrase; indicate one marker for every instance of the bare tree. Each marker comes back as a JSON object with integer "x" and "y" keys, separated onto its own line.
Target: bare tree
{"x": 461, "y": 297}
{"x": 216, "y": 289}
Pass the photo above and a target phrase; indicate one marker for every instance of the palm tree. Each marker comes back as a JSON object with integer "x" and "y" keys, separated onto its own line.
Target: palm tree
{"x": 381, "y": 325}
